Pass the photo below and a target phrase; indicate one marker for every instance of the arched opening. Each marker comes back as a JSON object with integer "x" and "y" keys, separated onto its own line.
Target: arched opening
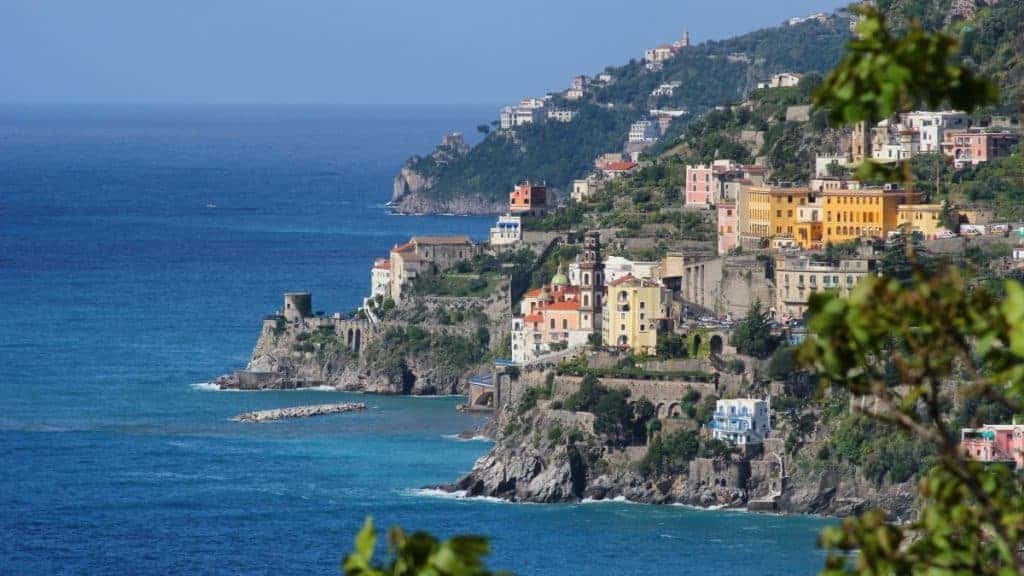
{"x": 717, "y": 345}
{"x": 696, "y": 344}
{"x": 358, "y": 341}
{"x": 348, "y": 339}
{"x": 662, "y": 411}
{"x": 675, "y": 411}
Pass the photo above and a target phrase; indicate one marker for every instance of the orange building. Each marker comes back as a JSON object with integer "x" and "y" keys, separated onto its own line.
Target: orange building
{"x": 528, "y": 200}
{"x": 770, "y": 212}
{"x": 862, "y": 213}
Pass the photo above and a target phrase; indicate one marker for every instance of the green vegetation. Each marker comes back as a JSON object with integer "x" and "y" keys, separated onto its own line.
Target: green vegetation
{"x": 753, "y": 335}
{"x": 456, "y": 285}
{"x": 620, "y": 423}
{"x": 670, "y": 454}
{"x": 579, "y": 367}
{"x": 933, "y": 335}
{"x": 417, "y": 554}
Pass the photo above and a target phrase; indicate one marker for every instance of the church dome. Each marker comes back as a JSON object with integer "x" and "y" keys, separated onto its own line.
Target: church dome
{"x": 560, "y": 279}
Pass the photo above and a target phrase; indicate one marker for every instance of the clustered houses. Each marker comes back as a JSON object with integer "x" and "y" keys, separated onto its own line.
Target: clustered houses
{"x": 950, "y": 132}
{"x": 561, "y": 315}
{"x": 709, "y": 185}
{"x": 419, "y": 256}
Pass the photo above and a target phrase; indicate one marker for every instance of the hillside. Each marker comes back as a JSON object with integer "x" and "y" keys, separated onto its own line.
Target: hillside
{"x": 709, "y": 75}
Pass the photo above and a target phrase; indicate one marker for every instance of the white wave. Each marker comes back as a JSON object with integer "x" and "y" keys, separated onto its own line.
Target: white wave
{"x": 459, "y": 438}
{"x": 620, "y": 499}
{"x": 208, "y": 387}
{"x": 455, "y": 495}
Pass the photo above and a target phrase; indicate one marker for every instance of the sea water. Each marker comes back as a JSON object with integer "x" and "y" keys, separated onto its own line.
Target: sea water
{"x": 139, "y": 250}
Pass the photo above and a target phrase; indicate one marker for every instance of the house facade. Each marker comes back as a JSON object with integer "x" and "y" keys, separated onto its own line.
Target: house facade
{"x": 741, "y": 421}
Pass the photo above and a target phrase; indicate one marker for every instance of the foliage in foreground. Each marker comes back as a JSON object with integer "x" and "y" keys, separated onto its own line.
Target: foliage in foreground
{"x": 418, "y": 554}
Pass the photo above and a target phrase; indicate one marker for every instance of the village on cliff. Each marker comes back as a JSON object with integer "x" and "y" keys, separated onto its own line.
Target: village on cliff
{"x": 546, "y": 306}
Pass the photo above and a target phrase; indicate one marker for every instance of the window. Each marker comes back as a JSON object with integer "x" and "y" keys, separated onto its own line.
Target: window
{"x": 552, "y": 323}
{"x": 643, "y": 304}
{"x": 586, "y": 279}
{"x": 565, "y": 324}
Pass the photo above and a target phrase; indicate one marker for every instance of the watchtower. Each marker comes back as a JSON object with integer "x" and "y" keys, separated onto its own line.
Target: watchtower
{"x": 297, "y": 305}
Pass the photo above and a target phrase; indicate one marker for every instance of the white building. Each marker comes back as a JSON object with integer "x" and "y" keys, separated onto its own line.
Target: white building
{"x": 783, "y": 80}
{"x": 822, "y": 163}
{"x": 644, "y": 132}
{"x": 585, "y": 188}
{"x": 605, "y": 78}
{"x": 659, "y": 54}
{"x": 507, "y": 231}
{"x": 742, "y": 421}
{"x": 380, "y": 278}
{"x": 932, "y": 126}
{"x": 561, "y": 115}
{"x": 574, "y": 94}
{"x": 616, "y": 267}
{"x": 667, "y": 89}
{"x": 531, "y": 103}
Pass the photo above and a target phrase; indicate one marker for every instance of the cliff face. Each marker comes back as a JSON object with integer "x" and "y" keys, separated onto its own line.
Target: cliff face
{"x": 530, "y": 463}
{"x": 410, "y": 195}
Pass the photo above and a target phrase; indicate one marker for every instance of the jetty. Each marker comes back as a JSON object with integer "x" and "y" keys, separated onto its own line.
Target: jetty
{"x": 299, "y": 412}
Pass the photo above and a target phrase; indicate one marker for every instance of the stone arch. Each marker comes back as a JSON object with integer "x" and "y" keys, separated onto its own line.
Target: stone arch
{"x": 358, "y": 342}
{"x": 696, "y": 344}
{"x": 717, "y": 344}
{"x": 675, "y": 410}
{"x": 485, "y": 399}
{"x": 662, "y": 411}
{"x": 348, "y": 340}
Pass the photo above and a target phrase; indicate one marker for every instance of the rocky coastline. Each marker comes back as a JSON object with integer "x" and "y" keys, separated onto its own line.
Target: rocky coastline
{"x": 410, "y": 196}
{"x": 299, "y": 412}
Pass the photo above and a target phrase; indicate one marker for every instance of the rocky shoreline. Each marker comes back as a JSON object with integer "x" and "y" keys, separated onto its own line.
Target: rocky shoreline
{"x": 299, "y": 412}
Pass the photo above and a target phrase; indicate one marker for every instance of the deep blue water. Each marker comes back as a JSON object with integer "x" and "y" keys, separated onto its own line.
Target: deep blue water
{"x": 121, "y": 289}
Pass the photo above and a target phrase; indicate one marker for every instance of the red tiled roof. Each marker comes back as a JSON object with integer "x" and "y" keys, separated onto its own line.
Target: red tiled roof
{"x": 623, "y": 280}
{"x": 533, "y": 293}
{"x": 403, "y": 247}
{"x": 569, "y": 305}
{"x": 620, "y": 166}
{"x": 533, "y": 318}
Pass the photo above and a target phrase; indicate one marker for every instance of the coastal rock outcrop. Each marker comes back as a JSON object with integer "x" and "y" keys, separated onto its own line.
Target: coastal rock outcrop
{"x": 299, "y": 412}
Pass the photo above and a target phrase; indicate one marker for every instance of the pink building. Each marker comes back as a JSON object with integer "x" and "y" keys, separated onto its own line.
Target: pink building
{"x": 994, "y": 443}
{"x": 728, "y": 227}
{"x": 700, "y": 185}
{"x": 977, "y": 146}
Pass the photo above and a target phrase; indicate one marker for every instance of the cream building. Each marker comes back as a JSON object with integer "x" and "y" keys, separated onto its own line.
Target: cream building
{"x": 797, "y": 277}
{"x": 634, "y": 312}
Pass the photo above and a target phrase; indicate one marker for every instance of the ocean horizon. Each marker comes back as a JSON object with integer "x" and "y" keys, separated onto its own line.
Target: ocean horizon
{"x": 140, "y": 247}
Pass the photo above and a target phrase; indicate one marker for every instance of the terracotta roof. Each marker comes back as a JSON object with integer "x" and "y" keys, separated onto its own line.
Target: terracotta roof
{"x": 620, "y": 166}
{"x": 440, "y": 240}
{"x": 570, "y": 305}
{"x": 623, "y": 280}
{"x": 533, "y": 318}
{"x": 403, "y": 247}
{"x": 533, "y": 293}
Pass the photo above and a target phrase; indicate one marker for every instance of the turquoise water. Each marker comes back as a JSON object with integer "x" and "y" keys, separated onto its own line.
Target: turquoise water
{"x": 122, "y": 290}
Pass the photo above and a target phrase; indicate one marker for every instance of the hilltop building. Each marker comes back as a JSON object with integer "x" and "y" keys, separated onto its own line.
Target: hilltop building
{"x": 426, "y": 255}
{"x": 728, "y": 227}
{"x": 644, "y": 132}
{"x": 528, "y": 200}
{"x": 741, "y": 421}
{"x": 975, "y": 146}
{"x": 586, "y": 187}
{"x": 783, "y": 80}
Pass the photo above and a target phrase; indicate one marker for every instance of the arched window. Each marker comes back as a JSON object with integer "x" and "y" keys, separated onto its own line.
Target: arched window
{"x": 552, "y": 323}
{"x": 586, "y": 279}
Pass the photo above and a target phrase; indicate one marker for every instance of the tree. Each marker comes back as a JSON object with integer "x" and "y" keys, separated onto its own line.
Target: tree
{"x": 483, "y": 129}
{"x": 753, "y": 335}
{"x": 613, "y": 417}
{"x": 671, "y": 345}
{"x": 417, "y": 554}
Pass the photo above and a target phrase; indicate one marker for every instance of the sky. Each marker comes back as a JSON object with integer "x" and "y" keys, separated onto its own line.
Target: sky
{"x": 342, "y": 51}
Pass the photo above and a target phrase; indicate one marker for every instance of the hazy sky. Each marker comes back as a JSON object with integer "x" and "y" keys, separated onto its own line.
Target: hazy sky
{"x": 342, "y": 51}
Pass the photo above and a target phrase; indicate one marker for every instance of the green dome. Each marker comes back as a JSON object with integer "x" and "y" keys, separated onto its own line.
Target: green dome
{"x": 560, "y": 279}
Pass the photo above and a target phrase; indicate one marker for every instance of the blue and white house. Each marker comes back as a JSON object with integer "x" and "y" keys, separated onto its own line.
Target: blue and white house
{"x": 742, "y": 421}
{"x": 508, "y": 231}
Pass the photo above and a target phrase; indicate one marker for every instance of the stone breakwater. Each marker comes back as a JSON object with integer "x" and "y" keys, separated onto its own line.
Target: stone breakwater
{"x": 299, "y": 412}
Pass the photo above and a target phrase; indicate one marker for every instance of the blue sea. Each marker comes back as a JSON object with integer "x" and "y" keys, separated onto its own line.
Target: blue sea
{"x": 139, "y": 249}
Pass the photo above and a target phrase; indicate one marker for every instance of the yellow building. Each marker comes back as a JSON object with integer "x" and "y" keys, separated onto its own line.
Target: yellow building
{"x": 923, "y": 218}
{"x": 633, "y": 313}
{"x": 866, "y": 212}
{"x": 770, "y": 211}
{"x": 798, "y": 277}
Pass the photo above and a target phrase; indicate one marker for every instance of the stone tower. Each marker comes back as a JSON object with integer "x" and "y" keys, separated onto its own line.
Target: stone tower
{"x": 591, "y": 281}
{"x": 686, "y": 39}
{"x": 298, "y": 305}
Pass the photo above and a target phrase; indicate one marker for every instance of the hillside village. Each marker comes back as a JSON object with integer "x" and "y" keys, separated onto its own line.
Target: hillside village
{"x": 634, "y": 336}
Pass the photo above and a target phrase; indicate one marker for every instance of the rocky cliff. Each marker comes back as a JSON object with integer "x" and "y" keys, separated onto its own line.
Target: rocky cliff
{"x": 548, "y": 456}
{"x": 410, "y": 195}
